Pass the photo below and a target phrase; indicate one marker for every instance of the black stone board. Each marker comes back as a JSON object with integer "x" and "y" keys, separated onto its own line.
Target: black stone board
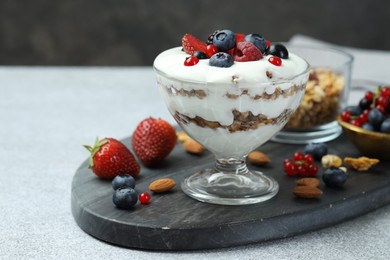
{"x": 174, "y": 221}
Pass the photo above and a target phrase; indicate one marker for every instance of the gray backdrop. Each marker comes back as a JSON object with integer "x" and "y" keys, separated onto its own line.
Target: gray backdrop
{"x": 133, "y": 32}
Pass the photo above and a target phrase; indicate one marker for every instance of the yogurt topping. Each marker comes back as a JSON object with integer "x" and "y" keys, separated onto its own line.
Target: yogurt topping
{"x": 171, "y": 63}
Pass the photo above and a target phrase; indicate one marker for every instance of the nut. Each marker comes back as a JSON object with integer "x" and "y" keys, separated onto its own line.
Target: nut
{"x": 313, "y": 182}
{"x": 331, "y": 160}
{"x": 162, "y": 185}
{"x": 361, "y": 163}
{"x": 258, "y": 158}
{"x": 308, "y": 192}
{"x": 182, "y": 136}
{"x": 192, "y": 146}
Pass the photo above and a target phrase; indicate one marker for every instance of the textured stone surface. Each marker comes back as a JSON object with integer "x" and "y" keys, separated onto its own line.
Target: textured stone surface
{"x": 87, "y": 32}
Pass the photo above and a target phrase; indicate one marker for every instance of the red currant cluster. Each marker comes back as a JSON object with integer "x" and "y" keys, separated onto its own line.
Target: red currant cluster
{"x": 371, "y": 111}
{"x": 300, "y": 165}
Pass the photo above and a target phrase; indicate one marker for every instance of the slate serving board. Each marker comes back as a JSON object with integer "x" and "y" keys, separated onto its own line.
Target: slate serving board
{"x": 174, "y": 221}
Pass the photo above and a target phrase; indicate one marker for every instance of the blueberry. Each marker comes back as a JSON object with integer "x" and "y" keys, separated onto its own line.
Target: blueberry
{"x": 364, "y": 103}
{"x": 375, "y": 118}
{"x": 317, "y": 150}
{"x": 257, "y": 40}
{"x": 368, "y": 126}
{"x": 211, "y": 37}
{"x": 200, "y": 55}
{"x": 334, "y": 177}
{"x": 125, "y": 198}
{"x": 224, "y": 40}
{"x": 279, "y": 50}
{"x": 354, "y": 110}
{"x": 123, "y": 181}
{"x": 221, "y": 59}
{"x": 385, "y": 126}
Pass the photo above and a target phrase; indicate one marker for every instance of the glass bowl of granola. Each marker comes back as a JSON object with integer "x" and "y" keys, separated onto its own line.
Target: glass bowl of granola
{"x": 326, "y": 95}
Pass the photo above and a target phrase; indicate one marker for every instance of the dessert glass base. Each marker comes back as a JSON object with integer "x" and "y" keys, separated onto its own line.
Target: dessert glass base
{"x": 230, "y": 182}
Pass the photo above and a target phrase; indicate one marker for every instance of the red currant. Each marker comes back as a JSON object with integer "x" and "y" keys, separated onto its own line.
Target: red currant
{"x": 267, "y": 43}
{"x": 356, "y": 122}
{"x": 302, "y": 170}
{"x": 312, "y": 170}
{"x": 308, "y": 158}
{"x": 275, "y": 60}
{"x": 290, "y": 169}
{"x": 381, "y": 108}
{"x": 144, "y": 198}
{"x": 191, "y": 61}
{"x": 345, "y": 116}
{"x": 385, "y": 92}
{"x": 383, "y": 101}
{"x": 298, "y": 156}
{"x": 363, "y": 117}
{"x": 369, "y": 96}
{"x": 211, "y": 50}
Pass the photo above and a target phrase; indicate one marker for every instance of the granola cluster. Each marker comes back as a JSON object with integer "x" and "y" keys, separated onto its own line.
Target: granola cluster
{"x": 320, "y": 104}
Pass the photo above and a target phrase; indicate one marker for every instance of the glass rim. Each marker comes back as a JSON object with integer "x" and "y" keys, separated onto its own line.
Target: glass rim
{"x": 349, "y": 57}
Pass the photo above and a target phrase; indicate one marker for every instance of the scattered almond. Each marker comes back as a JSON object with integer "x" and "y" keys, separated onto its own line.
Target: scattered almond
{"x": 192, "y": 146}
{"x": 308, "y": 182}
{"x": 162, "y": 185}
{"x": 308, "y": 192}
{"x": 331, "y": 160}
{"x": 258, "y": 158}
{"x": 361, "y": 163}
{"x": 182, "y": 136}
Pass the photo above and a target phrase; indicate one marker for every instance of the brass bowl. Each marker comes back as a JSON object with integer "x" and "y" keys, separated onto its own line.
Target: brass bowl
{"x": 369, "y": 143}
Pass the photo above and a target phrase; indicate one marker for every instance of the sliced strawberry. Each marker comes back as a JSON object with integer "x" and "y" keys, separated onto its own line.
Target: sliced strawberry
{"x": 191, "y": 44}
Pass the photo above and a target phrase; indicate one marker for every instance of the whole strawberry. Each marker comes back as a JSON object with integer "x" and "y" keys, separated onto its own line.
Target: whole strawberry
{"x": 109, "y": 158}
{"x": 153, "y": 140}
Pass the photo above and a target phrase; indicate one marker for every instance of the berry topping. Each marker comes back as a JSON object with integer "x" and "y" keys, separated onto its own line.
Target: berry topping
{"x": 200, "y": 54}
{"x": 144, "y": 198}
{"x": 211, "y": 50}
{"x": 221, "y": 59}
{"x": 211, "y": 37}
{"x": 125, "y": 198}
{"x": 153, "y": 140}
{"x": 317, "y": 150}
{"x": 191, "y": 61}
{"x": 224, "y": 40}
{"x": 109, "y": 158}
{"x": 246, "y": 51}
{"x": 123, "y": 181}
{"x": 334, "y": 177}
{"x": 275, "y": 60}
{"x": 279, "y": 50}
{"x": 240, "y": 37}
{"x": 191, "y": 44}
{"x": 257, "y": 40}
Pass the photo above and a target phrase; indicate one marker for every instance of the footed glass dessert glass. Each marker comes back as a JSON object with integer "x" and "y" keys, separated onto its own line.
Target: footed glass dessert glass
{"x": 230, "y": 120}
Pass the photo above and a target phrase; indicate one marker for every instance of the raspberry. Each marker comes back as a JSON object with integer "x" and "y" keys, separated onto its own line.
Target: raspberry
{"x": 246, "y": 51}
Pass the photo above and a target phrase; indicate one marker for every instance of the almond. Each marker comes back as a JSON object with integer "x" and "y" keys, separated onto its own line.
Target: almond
{"x": 182, "y": 136}
{"x": 258, "y": 158}
{"x": 308, "y": 182}
{"x": 308, "y": 192}
{"x": 162, "y": 185}
{"x": 192, "y": 146}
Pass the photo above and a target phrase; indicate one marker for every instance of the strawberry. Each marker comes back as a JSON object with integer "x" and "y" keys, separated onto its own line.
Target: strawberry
{"x": 153, "y": 140}
{"x": 109, "y": 158}
{"x": 191, "y": 44}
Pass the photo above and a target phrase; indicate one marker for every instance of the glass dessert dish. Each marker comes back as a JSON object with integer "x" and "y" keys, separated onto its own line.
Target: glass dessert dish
{"x": 230, "y": 118}
{"x": 326, "y": 96}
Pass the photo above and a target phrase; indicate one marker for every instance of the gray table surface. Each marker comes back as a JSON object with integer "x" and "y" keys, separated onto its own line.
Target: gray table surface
{"x": 47, "y": 113}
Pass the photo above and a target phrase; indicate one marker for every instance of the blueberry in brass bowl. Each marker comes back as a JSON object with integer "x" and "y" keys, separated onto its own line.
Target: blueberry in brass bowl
{"x": 369, "y": 143}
